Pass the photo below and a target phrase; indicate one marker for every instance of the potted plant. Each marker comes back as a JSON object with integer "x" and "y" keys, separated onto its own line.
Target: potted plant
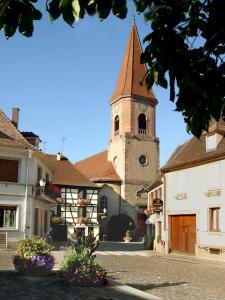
{"x": 79, "y": 267}
{"x": 33, "y": 257}
{"x": 127, "y": 237}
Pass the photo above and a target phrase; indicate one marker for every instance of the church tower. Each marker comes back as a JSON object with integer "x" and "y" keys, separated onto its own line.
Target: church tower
{"x": 133, "y": 147}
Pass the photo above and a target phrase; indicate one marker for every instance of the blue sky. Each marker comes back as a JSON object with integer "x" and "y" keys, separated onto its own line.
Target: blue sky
{"x": 62, "y": 79}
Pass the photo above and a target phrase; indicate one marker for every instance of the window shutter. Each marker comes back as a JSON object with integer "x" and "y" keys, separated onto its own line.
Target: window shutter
{"x": 8, "y": 170}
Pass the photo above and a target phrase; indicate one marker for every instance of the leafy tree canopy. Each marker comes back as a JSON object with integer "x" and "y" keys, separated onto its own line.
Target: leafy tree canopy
{"x": 185, "y": 47}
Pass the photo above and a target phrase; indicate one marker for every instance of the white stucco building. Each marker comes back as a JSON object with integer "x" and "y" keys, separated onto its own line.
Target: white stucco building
{"x": 24, "y": 205}
{"x": 192, "y": 185}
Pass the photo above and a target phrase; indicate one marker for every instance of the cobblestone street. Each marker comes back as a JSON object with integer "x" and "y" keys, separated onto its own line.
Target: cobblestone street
{"x": 169, "y": 277}
{"x": 172, "y": 277}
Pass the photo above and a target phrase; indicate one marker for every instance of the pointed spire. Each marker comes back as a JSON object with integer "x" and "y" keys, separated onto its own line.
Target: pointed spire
{"x": 132, "y": 71}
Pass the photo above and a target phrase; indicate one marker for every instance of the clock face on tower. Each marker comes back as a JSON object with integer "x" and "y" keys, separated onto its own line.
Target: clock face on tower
{"x": 143, "y": 160}
{"x": 116, "y": 108}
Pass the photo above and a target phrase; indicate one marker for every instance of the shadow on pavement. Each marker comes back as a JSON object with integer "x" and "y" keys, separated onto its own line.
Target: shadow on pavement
{"x": 121, "y": 246}
{"x": 151, "y": 286}
{"x": 15, "y": 286}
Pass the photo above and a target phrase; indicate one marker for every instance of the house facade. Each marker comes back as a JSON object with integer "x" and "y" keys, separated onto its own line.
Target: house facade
{"x": 193, "y": 184}
{"x": 132, "y": 158}
{"x": 24, "y": 204}
{"x": 78, "y": 202}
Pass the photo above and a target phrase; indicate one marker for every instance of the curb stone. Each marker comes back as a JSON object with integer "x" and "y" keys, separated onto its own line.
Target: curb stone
{"x": 128, "y": 289}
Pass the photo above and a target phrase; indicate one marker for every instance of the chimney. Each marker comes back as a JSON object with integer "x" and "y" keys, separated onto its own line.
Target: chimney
{"x": 58, "y": 156}
{"x": 15, "y": 116}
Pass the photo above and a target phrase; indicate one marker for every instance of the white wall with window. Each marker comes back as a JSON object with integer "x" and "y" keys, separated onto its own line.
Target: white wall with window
{"x": 18, "y": 179}
{"x": 204, "y": 186}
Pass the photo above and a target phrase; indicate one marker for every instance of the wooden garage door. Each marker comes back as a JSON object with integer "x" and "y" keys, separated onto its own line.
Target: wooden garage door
{"x": 183, "y": 233}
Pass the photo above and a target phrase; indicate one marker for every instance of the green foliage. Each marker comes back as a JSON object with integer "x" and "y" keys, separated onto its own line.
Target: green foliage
{"x": 184, "y": 49}
{"x": 148, "y": 241}
{"x": 18, "y": 14}
{"x": 119, "y": 225}
{"x": 33, "y": 247}
{"x": 81, "y": 268}
{"x": 81, "y": 243}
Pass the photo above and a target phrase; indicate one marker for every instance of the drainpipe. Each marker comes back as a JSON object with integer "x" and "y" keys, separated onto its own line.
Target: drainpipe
{"x": 164, "y": 200}
{"x": 120, "y": 201}
{"x": 30, "y": 152}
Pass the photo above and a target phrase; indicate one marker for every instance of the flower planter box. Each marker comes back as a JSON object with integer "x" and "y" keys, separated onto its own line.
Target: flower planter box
{"x": 59, "y": 232}
{"x": 82, "y": 280}
{"x": 35, "y": 266}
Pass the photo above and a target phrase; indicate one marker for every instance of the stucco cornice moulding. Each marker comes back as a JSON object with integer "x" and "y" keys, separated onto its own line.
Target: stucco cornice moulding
{"x": 181, "y": 196}
{"x": 214, "y": 193}
{"x": 136, "y": 98}
{"x": 12, "y": 194}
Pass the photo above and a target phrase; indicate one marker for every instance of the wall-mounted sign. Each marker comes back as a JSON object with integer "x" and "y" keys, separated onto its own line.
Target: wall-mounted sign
{"x": 157, "y": 209}
{"x": 157, "y": 202}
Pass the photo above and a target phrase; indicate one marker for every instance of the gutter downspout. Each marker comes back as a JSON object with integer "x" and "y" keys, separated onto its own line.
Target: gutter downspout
{"x": 30, "y": 152}
{"x": 120, "y": 200}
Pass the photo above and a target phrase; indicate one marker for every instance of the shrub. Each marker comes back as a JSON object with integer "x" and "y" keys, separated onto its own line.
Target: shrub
{"x": 148, "y": 241}
{"x": 33, "y": 247}
{"x": 34, "y": 257}
{"x": 118, "y": 225}
{"x": 81, "y": 269}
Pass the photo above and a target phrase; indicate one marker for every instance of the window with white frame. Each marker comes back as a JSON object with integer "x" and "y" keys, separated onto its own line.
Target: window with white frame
{"x": 213, "y": 175}
{"x": 214, "y": 216}
{"x": 8, "y": 217}
{"x": 210, "y": 142}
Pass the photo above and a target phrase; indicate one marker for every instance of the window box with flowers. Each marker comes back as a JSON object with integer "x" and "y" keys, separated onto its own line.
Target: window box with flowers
{"x": 148, "y": 211}
{"x": 82, "y": 220}
{"x": 83, "y": 202}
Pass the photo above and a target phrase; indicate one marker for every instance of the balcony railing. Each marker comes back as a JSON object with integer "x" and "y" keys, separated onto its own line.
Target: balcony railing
{"x": 142, "y": 131}
{"x": 49, "y": 190}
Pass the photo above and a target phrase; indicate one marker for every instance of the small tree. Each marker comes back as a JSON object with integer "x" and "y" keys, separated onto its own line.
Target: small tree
{"x": 118, "y": 225}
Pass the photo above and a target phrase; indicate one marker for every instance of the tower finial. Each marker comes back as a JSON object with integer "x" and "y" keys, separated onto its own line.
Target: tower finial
{"x": 134, "y": 21}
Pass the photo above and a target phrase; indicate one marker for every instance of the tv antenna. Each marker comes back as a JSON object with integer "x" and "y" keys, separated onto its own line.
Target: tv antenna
{"x": 63, "y": 143}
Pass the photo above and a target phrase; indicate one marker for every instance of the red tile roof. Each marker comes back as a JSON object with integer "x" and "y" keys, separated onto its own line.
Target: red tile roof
{"x": 66, "y": 174}
{"x": 10, "y": 136}
{"x": 97, "y": 168}
{"x": 132, "y": 71}
{"x": 194, "y": 152}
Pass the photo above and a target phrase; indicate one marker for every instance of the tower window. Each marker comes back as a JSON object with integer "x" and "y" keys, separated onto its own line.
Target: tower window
{"x": 142, "y": 129}
{"x": 116, "y": 124}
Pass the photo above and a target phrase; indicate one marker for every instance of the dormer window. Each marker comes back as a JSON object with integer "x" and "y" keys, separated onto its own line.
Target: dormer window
{"x": 211, "y": 142}
{"x": 116, "y": 124}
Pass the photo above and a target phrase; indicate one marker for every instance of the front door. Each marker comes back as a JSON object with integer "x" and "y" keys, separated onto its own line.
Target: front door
{"x": 183, "y": 233}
